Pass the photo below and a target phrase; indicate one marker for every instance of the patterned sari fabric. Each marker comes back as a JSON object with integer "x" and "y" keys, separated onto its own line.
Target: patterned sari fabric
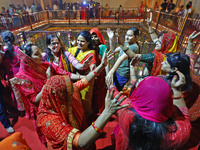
{"x": 60, "y": 115}
{"x": 146, "y": 101}
{"x": 86, "y": 93}
{"x": 15, "y": 141}
{"x": 66, "y": 61}
{"x": 99, "y": 84}
{"x": 170, "y": 44}
{"x": 28, "y": 82}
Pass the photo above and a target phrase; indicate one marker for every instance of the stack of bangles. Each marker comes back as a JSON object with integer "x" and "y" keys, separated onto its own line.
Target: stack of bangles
{"x": 181, "y": 96}
{"x": 96, "y": 128}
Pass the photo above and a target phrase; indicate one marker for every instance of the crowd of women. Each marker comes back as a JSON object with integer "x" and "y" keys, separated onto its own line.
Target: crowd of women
{"x": 63, "y": 89}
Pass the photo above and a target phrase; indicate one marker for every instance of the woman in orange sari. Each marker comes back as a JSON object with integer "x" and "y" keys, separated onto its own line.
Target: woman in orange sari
{"x": 61, "y": 116}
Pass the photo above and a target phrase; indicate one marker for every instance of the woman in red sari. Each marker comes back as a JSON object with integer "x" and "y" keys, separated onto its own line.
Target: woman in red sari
{"x": 29, "y": 81}
{"x": 61, "y": 115}
{"x": 149, "y": 123}
{"x": 192, "y": 95}
{"x": 99, "y": 93}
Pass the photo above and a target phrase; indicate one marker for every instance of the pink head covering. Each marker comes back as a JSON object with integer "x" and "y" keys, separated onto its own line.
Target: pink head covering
{"x": 152, "y": 99}
{"x": 99, "y": 35}
{"x": 31, "y": 70}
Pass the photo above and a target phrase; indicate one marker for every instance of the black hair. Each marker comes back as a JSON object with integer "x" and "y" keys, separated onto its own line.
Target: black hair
{"x": 146, "y": 134}
{"x": 182, "y": 63}
{"x": 136, "y": 33}
{"x": 88, "y": 37}
{"x": 9, "y": 39}
{"x": 188, "y": 6}
{"x": 27, "y": 48}
{"x": 50, "y": 56}
{"x": 161, "y": 33}
{"x": 48, "y": 50}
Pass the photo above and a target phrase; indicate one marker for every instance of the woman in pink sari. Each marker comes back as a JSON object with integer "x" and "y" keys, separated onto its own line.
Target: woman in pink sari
{"x": 154, "y": 119}
{"x": 29, "y": 81}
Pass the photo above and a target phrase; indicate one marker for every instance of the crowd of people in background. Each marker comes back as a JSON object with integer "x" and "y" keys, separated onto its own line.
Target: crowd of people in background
{"x": 64, "y": 90}
{"x": 17, "y": 16}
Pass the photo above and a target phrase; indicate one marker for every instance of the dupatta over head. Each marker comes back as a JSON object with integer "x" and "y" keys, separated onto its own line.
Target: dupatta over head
{"x": 170, "y": 44}
{"x": 27, "y": 83}
{"x": 31, "y": 69}
{"x": 152, "y": 99}
{"x": 60, "y": 114}
{"x": 99, "y": 35}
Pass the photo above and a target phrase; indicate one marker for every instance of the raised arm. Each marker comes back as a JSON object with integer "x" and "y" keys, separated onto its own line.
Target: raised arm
{"x": 98, "y": 69}
{"x": 75, "y": 62}
{"x": 110, "y": 34}
{"x": 190, "y": 48}
{"x": 152, "y": 33}
{"x": 126, "y": 50}
{"x": 109, "y": 77}
{"x": 111, "y": 106}
{"x": 176, "y": 85}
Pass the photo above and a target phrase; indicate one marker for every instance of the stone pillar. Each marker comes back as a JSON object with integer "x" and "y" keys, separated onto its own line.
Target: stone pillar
{"x": 50, "y": 4}
{"x": 42, "y": 4}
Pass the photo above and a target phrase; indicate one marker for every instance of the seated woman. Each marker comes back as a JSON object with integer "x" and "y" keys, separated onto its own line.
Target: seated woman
{"x": 99, "y": 84}
{"x": 151, "y": 121}
{"x": 120, "y": 72}
{"x": 55, "y": 53}
{"x": 61, "y": 116}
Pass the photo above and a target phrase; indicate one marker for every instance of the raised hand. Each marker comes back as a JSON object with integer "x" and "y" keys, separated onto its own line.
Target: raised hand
{"x": 193, "y": 36}
{"x": 106, "y": 57}
{"x": 58, "y": 34}
{"x": 110, "y": 33}
{"x": 178, "y": 84}
{"x": 112, "y": 105}
{"x": 135, "y": 59}
{"x": 119, "y": 37}
{"x": 87, "y": 62}
{"x": 149, "y": 19}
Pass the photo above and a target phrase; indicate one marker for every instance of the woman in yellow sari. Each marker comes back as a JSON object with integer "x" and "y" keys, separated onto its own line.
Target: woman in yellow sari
{"x": 82, "y": 52}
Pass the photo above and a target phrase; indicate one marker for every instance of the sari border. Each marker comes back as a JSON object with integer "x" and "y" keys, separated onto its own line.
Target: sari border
{"x": 70, "y": 138}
